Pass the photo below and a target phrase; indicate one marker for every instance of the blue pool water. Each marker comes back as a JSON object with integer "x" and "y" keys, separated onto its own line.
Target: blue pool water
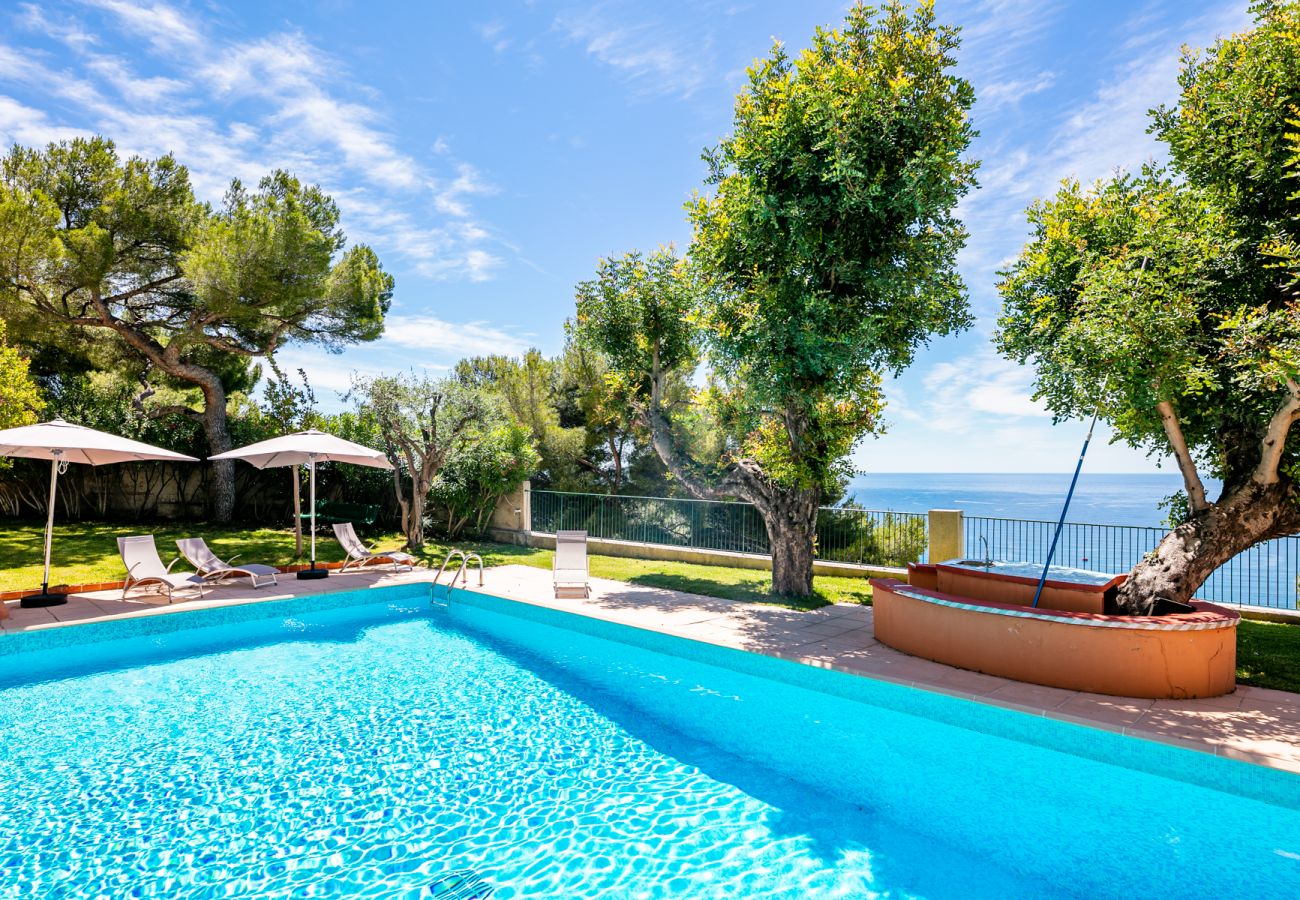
{"x": 361, "y": 751}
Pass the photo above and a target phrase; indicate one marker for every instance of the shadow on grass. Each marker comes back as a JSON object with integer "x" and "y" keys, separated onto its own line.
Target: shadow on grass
{"x": 1268, "y": 655}
{"x": 748, "y": 590}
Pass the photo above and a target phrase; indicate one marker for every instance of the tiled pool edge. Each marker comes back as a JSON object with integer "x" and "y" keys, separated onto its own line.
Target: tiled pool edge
{"x": 155, "y": 621}
{"x": 1167, "y": 758}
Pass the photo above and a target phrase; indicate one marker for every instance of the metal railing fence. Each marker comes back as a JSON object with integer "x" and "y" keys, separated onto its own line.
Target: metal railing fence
{"x": 866, "y": 537}
{"x": 1264, "y": 575}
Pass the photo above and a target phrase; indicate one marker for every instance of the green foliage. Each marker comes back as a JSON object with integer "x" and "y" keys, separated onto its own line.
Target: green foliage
{"x": 477, "y": 474}
{"x": 1176, "y": 286}
{"x": 832, "y": 229}
{"x": 98, "y": 250}
{"x": 290, "y": 405}
{"x": 846, "y": 534}
{"x": 639, "y": 311}
{"x": 20, "y": 398}
{"x": 826, "y": 254}
{"x": 420, "y": 423}
{"x": 270, "y": 267}
{"x": 528, "y": 390}
{"x": 109, "y": 402}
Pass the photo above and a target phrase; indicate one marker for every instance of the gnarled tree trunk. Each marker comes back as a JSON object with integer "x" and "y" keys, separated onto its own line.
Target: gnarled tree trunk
{"x": 1190, "y": 554}
{"x": 791, "y": 520}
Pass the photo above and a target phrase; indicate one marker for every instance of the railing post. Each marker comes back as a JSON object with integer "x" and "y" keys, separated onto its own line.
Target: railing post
{"x": 526, "y": 509}
{"x": 946, "y": 534}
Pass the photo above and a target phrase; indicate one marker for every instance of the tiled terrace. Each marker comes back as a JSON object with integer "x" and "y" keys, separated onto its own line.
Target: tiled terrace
{"x": 1253, "y": 724}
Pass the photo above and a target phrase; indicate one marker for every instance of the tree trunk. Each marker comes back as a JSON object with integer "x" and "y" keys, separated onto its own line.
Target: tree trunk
{"x": 415, "y": 520}
{"x": 215, "y": 427}
{"x": 297, "y": 512}
{"x": 791, "y": 521}
{"x": 1189, "y": 555}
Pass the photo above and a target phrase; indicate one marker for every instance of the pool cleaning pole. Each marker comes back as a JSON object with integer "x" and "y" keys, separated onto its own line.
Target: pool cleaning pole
{"x": 1064, "y": 509}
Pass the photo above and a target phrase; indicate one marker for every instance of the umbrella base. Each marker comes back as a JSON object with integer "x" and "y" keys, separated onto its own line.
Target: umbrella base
{"x": 312, "y": 574}
{"x": 46, "y": 598}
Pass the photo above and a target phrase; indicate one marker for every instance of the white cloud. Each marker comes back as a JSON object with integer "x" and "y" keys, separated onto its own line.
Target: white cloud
{"x": 164, "y": 27}
{"x": 21, "y": 124}
{"x": 457, "y": 338}
{"x": 963, "y": 393}
{"x": 653, "y": 58}
{"x": 284, "y": 104}
{"x": 997, "y": 94}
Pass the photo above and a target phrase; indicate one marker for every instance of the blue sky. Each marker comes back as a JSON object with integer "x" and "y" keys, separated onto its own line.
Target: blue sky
{"x": 492, "y": 152}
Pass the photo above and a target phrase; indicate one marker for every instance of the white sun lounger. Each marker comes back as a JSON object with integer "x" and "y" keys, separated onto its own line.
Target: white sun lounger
{"x": 360, "y": 555}
{"x": 212, "y": 568}
{"x": 144, "y": 566}
{"x": 571, "y": 571}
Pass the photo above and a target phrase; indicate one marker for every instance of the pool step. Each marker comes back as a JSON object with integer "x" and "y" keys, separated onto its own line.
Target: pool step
{"x": 462, "y": 884}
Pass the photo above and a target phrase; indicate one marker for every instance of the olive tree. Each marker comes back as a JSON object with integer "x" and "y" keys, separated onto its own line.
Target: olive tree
{"x": 92, "y": 246}
{"x": 823, "y": 257}
{"x": 422, "y": 422}
{"x": 1169, "y": 300}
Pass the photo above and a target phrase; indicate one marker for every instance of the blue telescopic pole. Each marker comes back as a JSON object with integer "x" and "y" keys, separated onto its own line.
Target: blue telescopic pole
{"x": 1064, "y": 509}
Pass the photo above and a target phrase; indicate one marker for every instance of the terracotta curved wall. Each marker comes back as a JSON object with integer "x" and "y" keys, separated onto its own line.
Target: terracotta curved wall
{"x": 1192, "y": 655}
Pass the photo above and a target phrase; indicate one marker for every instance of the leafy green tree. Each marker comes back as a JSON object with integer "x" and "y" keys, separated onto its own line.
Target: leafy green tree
{"x": 91, "y": 244}
{"x": 479, "y": 473}
{"x": 422, "y": 422}
{"x": 1168, "y": 300}
{"x": 527, "y": 388}
{"x": 825, "y": 255}
{"x": 20, "y": 398}
{"x": 616, "y": 455}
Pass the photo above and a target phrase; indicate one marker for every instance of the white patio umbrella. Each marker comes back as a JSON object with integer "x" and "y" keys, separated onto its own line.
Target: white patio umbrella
{"x": 62, "y": 443}
{"x": 307, "y": 448}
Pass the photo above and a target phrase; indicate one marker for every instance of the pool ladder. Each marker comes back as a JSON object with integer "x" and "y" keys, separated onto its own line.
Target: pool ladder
{"x": 461, "y": 573}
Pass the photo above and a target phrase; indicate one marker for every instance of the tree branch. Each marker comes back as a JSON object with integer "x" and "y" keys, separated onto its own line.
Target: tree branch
{"x": 1191, "y": 478}
{"x": 1274, "y": 442}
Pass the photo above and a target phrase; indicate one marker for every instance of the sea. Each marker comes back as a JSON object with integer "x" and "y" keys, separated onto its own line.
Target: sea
{"x": 1101, "y": 499}
{"x": 1013, "y": 517}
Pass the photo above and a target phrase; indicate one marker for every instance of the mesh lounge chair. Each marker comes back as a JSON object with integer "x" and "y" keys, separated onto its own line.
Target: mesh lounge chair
{"x": 212, "y": 568}
{"x": 571, "y": 571}
{"x": 360, "y": 555}
{"x": 144, "y": 566}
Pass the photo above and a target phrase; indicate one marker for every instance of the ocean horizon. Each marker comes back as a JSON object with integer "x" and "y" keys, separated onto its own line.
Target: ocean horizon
{"x": 1101, "y": 498}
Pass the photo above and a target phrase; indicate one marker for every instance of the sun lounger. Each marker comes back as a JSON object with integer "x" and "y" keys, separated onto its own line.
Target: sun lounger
{"x": 212, "y": 568}
{"x": 144, "y": 566}
{"x": 571, "y": 571}
{"x": 360, "y": 555}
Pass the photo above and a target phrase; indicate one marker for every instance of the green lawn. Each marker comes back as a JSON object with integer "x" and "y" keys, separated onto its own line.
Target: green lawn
{"x": 87, "y": 553}
{"x": 750, "y": 585}
{"x": 1268, "y": 654}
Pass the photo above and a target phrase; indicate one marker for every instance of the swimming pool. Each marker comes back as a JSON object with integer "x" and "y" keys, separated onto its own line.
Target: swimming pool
{"x": 361, "y": 745}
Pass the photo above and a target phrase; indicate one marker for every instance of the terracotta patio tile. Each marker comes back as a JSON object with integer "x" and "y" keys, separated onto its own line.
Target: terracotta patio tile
{"x": 1032, "y": 696}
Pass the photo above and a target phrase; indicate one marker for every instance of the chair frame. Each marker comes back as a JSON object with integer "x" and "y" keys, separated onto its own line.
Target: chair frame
{"x": 226, "y": 570}
{"x": 360, "y": 555}
{"x": 564, "y": 585}
{"x": 165, "y": 579}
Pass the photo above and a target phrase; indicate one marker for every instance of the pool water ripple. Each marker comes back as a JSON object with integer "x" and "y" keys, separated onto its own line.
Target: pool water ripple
{"x": 365, "y": 767}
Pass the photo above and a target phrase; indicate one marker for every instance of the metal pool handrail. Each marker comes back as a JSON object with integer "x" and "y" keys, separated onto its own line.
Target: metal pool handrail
{"x": 465, "y": 559}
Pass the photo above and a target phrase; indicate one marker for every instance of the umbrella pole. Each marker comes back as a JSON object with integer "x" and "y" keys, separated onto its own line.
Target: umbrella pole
{"x": 313, "y": 572}
{"x": 45, "y": 598}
